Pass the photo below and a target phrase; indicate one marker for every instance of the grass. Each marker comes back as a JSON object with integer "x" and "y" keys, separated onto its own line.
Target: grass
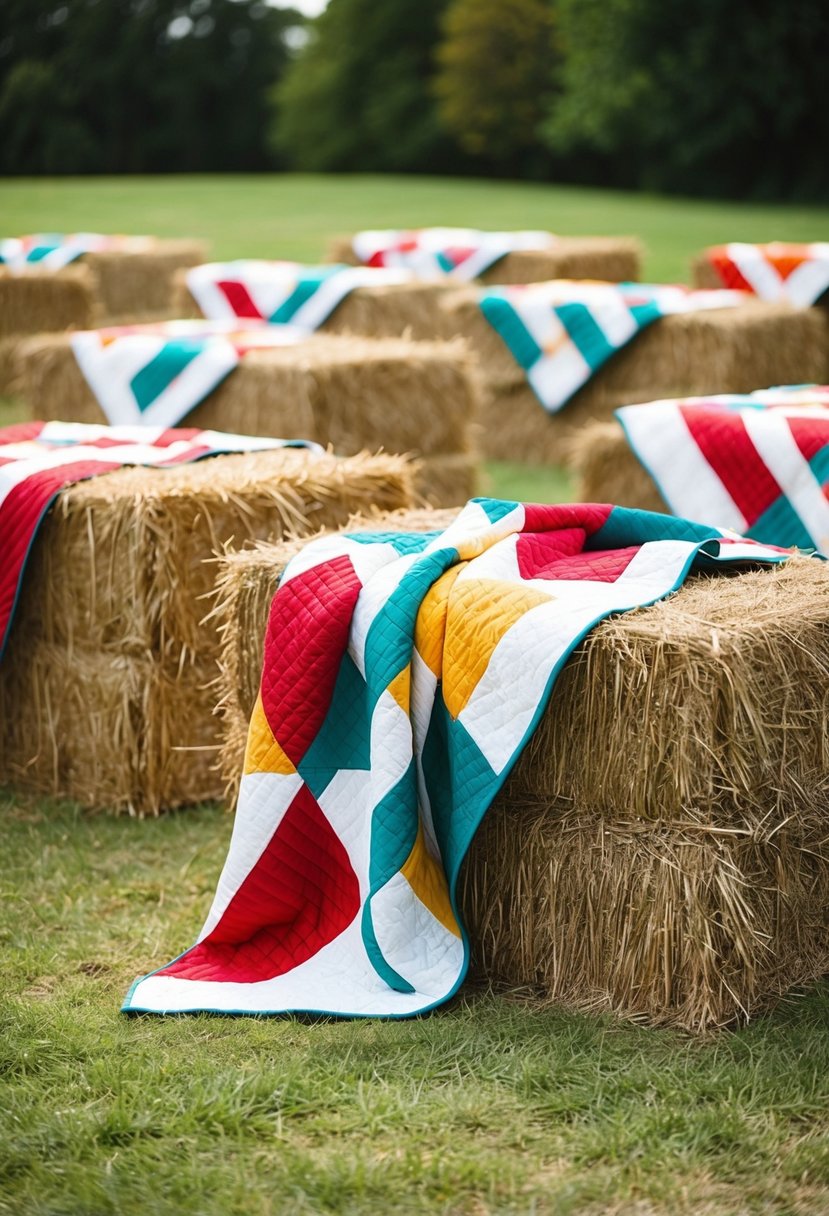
{"x": 294, "y": 215}
{"x": 491, "y": 1105}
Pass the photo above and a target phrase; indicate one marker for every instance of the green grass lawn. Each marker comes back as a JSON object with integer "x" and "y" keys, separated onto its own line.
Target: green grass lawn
{"x": 491, "y": 1105}
{"x": 293, "y": 215}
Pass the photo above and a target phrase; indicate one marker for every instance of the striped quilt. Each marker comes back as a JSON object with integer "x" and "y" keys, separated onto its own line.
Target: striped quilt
{"x": 563, "y": 331}
{"x": 283, "y": 293}
{"x": 39, "y": 459}
{"x": 437, "y": 253}
{"x": 757, "y": 464}
{"x": 403, "y": 674}
{"x": 54, "y": 250}
{"x": 777, "y": 271}
{"x": 154, "y": 375}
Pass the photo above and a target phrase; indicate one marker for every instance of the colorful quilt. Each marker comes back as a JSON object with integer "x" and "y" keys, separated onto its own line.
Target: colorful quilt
{"x": 757, "y": 464}
{"x": 436, "y": 253}
{"x": 403, "y": 674}
{"x": 563, "y": 331}
{"x": 38, "y": 459}
{"x": 777, "y": 271}
{"x": 54, "y": 250}
{"x": 280, "y": 292}
{"x": 154, "y": 375}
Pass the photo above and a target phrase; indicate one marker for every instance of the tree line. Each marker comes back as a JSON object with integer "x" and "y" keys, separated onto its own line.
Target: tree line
{"x": 694, "y": 96}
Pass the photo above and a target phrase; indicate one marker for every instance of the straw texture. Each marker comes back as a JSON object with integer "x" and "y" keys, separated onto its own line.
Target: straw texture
{"x": 615, "y": 259}
{"x": 608, "y": 470}
{"x": 104, "y": 680}
{"x": 660, "y": 847}
{"x": 352, "y": 393}
{"x": 138, "y": 284}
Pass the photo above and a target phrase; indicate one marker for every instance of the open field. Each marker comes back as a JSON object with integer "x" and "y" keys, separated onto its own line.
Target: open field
{"x": 491, "y": 1105}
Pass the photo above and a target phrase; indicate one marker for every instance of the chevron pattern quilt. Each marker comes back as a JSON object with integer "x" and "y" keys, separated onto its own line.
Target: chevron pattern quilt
{"x": 403, "y": 673}
{"x": 38, "y": 459}
{"x": 563, "y": 331}
{"x": 777, "y": 271}
{"x": 758, "y": 464}
{"x": 283, "y": 293}
{"x": 154, "y": 375}
{"x": 54, "y": 250}
{"x": 437, "y": 253}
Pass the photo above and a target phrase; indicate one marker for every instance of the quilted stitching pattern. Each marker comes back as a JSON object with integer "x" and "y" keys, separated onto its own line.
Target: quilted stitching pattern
{"x": 402, "y": 682}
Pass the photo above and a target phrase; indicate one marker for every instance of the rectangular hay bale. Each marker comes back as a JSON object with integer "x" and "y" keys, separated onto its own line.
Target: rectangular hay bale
{"x": 117, "y": 582}
{"x": 659, "y": 849}
{"x": 353, "y": 393}
{"x": 614, "y": 259}
{"x": 608, "y": 470}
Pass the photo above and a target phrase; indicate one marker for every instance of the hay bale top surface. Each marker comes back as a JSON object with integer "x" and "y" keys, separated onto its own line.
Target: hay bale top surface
{"x": 223, "y": 476}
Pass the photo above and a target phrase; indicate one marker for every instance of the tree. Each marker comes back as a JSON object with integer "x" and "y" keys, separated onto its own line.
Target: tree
{"x": 113, "y": 86}
{"x": 696, "y": 95}
{"x": 497, "y": 64}
{"x": 358, "y": 97}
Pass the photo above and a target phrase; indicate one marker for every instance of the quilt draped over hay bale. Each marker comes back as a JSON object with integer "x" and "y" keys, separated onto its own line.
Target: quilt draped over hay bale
{"x": 659, "y": 849}
{"x": 104, "y": 688}
{"x": 729, "y": 350}
{"x": 352, "y": 393}
{"x": 616, "y": 259}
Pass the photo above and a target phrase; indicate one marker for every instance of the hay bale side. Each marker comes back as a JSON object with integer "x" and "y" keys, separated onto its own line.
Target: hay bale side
{"x": 123, "y": 560}
{"x": 133, "y": 285}
{"x": 44, "y": 302}
{"x": 353, "y": 393}
{"x": 608, "y": 470}
{"x": 677, "y": 924}
{"x": 109, "y": 729}
{"x": 733, "y": 350}
{"x": 659, "y": 849}
{"x": 703, "y": 274}
{"x": 615, "y": 259}
{"x": 447, "y": 481}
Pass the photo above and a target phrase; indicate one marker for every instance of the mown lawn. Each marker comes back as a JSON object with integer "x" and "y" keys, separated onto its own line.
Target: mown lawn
{"x": 491, "y": 1105}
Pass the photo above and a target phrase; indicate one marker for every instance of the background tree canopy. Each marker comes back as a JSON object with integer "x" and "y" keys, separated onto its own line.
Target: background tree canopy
{"x": 694, "y": 96}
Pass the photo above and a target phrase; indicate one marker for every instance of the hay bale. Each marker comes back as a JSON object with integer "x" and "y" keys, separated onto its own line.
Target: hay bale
{"x": 729, "y": 350}
{"x": 659, "y": 849}
{"x": 608, "y": 470}
{"x": 389, "y": 310}
{"x": 41, "y": 302}
{"x": 106, "y": 673}
{"x": 135, "y": 284}
{"x": 352, "y": 393}
{"x": 703, "y": 274}
{"x": 615, "y": 259}
{"x": 447, "y": 481}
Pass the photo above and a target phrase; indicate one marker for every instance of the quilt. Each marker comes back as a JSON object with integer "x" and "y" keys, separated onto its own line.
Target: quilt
{"x": 758, "y": 464}
{"x": 38, "y": 459}
{"x": 403, "y": 673}
{"x": 777, "y": 271}
{"x": 54, "y": 250}
{"x": 437, "y": 253}
{"x": 563, "y": 331}
{"x": 155, "y": 374}
{"x": 280, "y": 292}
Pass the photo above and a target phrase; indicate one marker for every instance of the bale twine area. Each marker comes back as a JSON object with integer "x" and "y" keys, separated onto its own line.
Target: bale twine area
{"x": 614, "y": 259}
{"x": 608, "y": 470}
{"x": 352, "y": 393}
{"x": 660, "y": 847}
{"x": 729, "y": 350}
{"x": 136, "y": 284}
{"x": 104, "y": 688}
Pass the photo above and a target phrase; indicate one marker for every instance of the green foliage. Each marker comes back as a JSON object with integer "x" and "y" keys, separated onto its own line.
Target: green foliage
{"x": 137, "y": 85}
{"x": 497, "y": 67}
{"x": 358, "y": 97}
{"x": 697, "y": 96}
